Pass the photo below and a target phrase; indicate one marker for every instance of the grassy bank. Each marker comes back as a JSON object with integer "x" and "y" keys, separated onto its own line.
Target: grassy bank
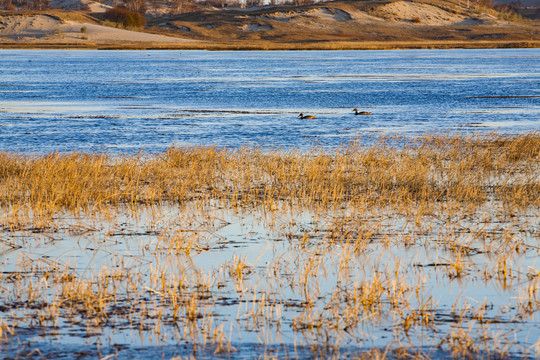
{"x": 269, "y": 46}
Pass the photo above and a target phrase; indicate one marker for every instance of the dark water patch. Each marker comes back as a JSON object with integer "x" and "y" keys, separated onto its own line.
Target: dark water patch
{"x": 93, "y": 117}
{"x": 505, "y": 97}
{"x": 117, "y": 97}
{"x": 137, "y": 107}
{"x": 225, "y": 111}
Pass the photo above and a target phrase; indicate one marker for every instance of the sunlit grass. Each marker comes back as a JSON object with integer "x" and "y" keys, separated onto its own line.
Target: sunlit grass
{"x": 360, "y": 239}
{"x": 470, "y": 169}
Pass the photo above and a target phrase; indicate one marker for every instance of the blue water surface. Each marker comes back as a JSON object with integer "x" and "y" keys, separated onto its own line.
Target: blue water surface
{"x": 126, "y": 101}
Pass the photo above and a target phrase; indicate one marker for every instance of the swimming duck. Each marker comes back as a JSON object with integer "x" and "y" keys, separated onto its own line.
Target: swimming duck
{"x": 356, "y": 112}
{"x": 302, "y": 116}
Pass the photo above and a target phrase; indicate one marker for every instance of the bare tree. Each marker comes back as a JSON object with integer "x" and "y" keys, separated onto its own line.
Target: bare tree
{"x": 38, "y": 4}
{"x": 233, "y": 3}
{"x": 182, "y": 6}
{"x": 220, "y": 3}
{"x": 253, "y": 3}
{"x": 138, "y": 6}
{"x": 154, "y": 4}
{"x": 177, "y": 7}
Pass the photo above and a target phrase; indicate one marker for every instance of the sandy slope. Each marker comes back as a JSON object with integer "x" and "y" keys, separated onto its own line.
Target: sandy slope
{"x": 422, "y": 13}
{"x": 93, "y": 6}
{"x": 48, "y": 29}
{"x": 337, "y": 24}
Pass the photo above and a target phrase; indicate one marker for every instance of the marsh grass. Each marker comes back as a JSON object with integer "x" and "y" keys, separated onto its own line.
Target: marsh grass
{"x": 361, "y": 240}
{"x": 429, "y": 171}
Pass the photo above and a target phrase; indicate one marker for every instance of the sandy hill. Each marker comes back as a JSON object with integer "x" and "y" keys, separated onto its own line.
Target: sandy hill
{"x": 89, "y": 5}
{"x": 357, "y": 21}
{"x": 65, "y": 28}
{"x": 327, "y": 25}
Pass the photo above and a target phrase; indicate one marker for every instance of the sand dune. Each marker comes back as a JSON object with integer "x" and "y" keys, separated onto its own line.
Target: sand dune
{"x": 352, "y": 24}
{"x": 421, "y": 13}
{"x": 420, "y": 21}
{"x": 50, "y": 29}
{"x": 93, "y": 6}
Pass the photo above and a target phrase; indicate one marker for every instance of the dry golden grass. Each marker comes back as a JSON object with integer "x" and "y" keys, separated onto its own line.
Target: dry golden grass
{"x": 365, "y": 228}
{"x": 431, "y": 170}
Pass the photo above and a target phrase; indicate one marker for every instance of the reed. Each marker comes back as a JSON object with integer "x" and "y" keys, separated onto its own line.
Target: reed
{"x": 355, "y": 240}
{"x": 431, "y": 170}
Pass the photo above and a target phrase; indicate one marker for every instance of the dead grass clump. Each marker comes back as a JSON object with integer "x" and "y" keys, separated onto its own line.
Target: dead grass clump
{"x": 469, "y": 169}
{"x": 5, "y": 330}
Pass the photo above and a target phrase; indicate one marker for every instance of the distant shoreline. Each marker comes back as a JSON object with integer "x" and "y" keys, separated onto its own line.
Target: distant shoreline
{"x": 275, "y": 47}
{"x": 336, "y": 25}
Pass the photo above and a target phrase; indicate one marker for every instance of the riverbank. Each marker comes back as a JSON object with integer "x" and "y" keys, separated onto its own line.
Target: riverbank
{"x": 338, "y": 25}
{"x": 278, "y": 47}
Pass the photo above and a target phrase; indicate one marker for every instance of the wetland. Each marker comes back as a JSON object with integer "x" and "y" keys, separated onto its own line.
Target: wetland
{"x": 415, "y": 235}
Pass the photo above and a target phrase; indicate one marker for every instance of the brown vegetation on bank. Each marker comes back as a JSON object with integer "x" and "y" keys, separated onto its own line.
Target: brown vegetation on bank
{"x": 124, "y": 17}
{"x": 325, "y": 25}
{"x": 354, "y": 22}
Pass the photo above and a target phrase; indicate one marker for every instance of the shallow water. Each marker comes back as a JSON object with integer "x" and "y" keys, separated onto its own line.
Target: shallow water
{"x": 125, "y": 101}
{"x": 140, "y": 245}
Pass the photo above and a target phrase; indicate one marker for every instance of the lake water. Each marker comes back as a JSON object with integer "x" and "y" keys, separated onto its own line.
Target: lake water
{"x": 124, "y": 101}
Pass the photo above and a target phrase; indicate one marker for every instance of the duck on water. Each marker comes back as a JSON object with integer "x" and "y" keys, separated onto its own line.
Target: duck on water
{"x": 302, "y": 116}
{"x": 356, "y": 112}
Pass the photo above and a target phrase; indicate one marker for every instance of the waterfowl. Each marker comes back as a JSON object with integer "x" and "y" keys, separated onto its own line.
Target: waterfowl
{"x": 356, "y": 112}
{"x": 302, "y": 116}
